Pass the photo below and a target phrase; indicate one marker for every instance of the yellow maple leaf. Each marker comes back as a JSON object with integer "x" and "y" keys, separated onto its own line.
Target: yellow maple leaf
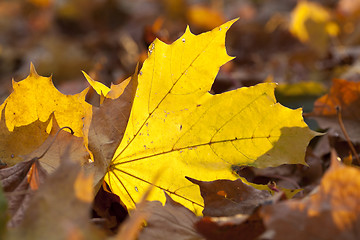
{"x": 36, "y": 98}
{"x": 176, "y": 127}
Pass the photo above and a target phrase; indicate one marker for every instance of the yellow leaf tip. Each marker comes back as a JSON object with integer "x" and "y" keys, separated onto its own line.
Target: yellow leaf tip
{"x": 228, "y": 24}
{"x": 100, "y": 88}
{"x": 88, "y": 78}
{"x": 33, "y": 72}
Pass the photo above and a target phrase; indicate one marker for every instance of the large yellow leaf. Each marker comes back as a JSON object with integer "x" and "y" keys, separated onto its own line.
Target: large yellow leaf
{"x": 179, "y": 129}
{"x": 36, "y": 98}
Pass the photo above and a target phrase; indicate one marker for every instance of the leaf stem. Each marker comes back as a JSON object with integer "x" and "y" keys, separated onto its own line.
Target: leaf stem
{"x": 342, "y": 126}
{"x": 52, "y": 142}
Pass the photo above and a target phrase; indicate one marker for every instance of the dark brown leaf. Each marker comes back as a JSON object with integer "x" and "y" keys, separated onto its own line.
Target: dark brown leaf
{"x": 107, "y": 206}
{"x": 228, "y": 198}
{"x": 242, "y": 227}
{"x": 172, "y": 221}
{"x": 107, "y": 125}
{"x": 17, "y": 184}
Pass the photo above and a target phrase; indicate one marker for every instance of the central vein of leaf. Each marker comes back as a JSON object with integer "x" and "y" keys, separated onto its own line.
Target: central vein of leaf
{"x": 190, "y": 147}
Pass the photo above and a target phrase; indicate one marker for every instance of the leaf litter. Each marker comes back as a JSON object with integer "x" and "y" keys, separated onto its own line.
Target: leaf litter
{"x": 68, "y": 209}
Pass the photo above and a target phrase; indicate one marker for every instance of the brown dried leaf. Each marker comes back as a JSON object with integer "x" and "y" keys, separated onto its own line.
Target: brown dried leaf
{"x": 240, "y": 226}
{"x": 56, "y": 211}
{"x": 172, "y": 221}
{"x": 228, "y": 198}
{"x": 19, "y": 186}
{"x": 105, "y": 129}
{"x": 108, "y": 207}
{"x": 60, "y": 141}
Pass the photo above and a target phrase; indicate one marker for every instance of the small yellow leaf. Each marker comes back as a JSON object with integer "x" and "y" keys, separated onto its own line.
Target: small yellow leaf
{"x": 36, "y": 98}
{"x": 309, "y": 12}
{"x": 177, "y": 125}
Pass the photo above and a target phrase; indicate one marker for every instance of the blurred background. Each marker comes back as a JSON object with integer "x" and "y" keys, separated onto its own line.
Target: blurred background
{"x": 302, "y": 45}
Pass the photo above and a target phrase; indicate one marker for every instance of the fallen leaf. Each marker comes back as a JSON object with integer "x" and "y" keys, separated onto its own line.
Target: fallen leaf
{"x": 98, "y": 131}
{"x": 105, "y": 128}
{"x": 172, "y": 221}
{"x": 16, "y": 183}
{"x": 343, "y": 93}
{"x": 313, "y": 24}
{"x": 228, "y": 198}
{"x": 241, "y": 227}
{"x": 36, "y": 98}
{"x": 310, "y": 11}
{"x": 55, "y": 210}
{"x": 107, "y": 206}
{"x": 57, "y": 143}
{"x": 330, "y": 213}
{"x": 21, "y": 140}
{"x": 346, "y": 95}
{"x": 177, "y": 127}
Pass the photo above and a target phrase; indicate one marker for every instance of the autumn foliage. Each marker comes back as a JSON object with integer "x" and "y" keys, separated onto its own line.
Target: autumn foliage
{"x": 161, "y": 156}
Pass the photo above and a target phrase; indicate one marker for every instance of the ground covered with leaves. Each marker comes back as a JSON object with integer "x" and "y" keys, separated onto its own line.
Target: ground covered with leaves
{"x": 175, "y": 132}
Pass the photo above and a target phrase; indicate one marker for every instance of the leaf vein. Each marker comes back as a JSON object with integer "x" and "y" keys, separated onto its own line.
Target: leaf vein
{"x": 138, "y": 131}
{"x": 152, "y": 184}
